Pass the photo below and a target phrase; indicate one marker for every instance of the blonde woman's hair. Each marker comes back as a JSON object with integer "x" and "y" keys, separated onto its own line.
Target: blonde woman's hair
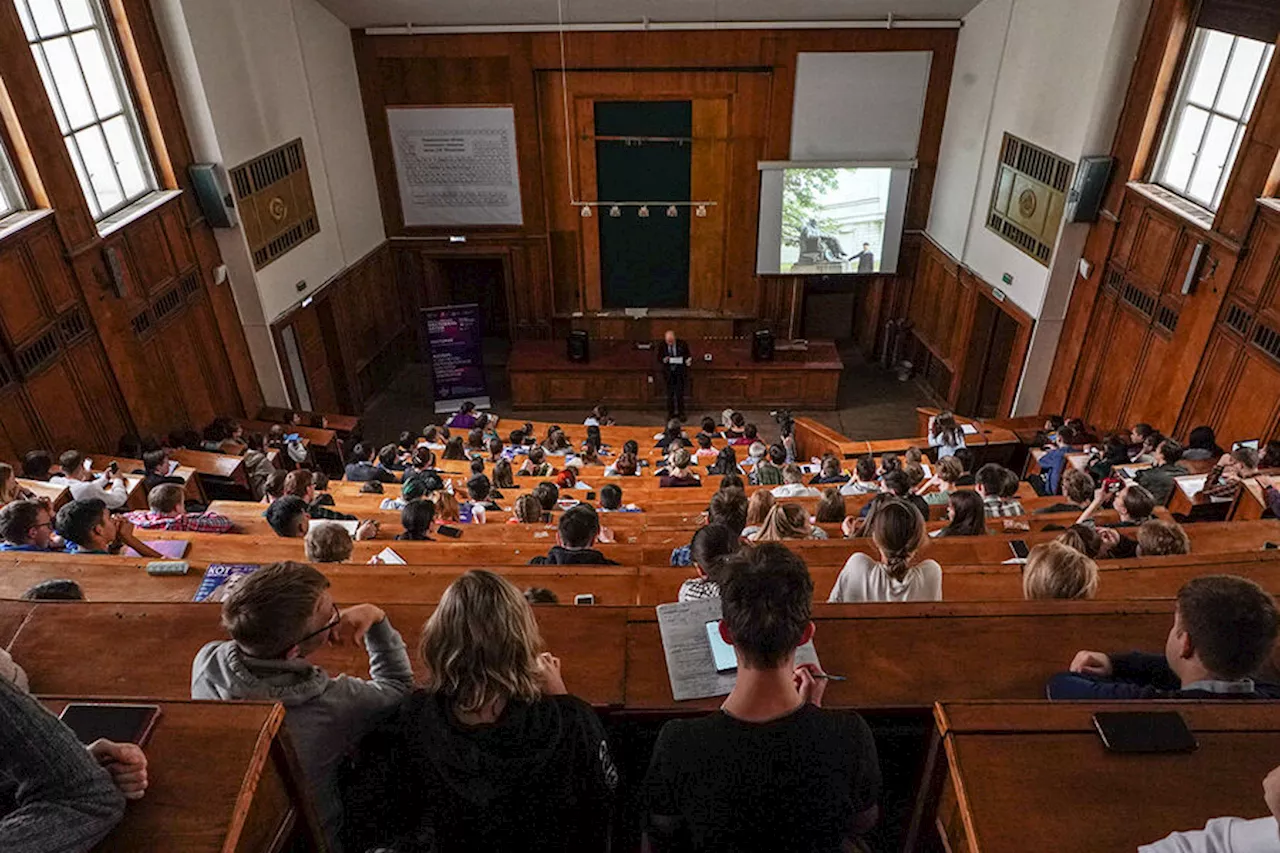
{"x": 528, "y": 509}
{"x": 8, "y": 483}
{"x": 897, "y": 528}
{"x": 758, "y": 507}
{"x": 1056, "y": 570}
{"x": 327, "y": 543}
{"x": 482, "y": 644}
{"x": 784, "y": 521}
{"x": 1157, "y": 538}
{"x": 447, "y": 508}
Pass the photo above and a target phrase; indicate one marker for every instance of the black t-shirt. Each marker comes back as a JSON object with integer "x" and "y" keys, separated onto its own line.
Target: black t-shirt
{"x": 793, "y": 784}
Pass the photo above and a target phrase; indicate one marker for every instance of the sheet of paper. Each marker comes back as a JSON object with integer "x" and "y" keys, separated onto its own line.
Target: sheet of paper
{"x": 173, "y": 549}
{"x": 173, "y": 466}
{"x": 349, "y": 526}
{"x": 968, "y": 429}
{"x": 1192, "y": 486}
{"x": 690, "y": 662}
{"x": 391, "y": 558}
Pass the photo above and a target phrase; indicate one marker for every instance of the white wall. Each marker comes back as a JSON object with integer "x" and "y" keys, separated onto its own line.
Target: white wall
{"x": 253, "y": 75}
{"x": 1054, "y": 74}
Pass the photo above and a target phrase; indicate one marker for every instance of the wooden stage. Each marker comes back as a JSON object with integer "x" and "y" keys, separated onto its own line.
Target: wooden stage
{"x": 620, "y": 375}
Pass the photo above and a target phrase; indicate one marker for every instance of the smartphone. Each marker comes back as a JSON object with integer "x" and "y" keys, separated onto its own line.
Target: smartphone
{"x": 1019, "y": 548}
{"x": 113, "y": 467}
{"x": 449, "y": 531}
{"x": 1144, "y": 731}
{"x": 1270, "y": 546}
{"x": 120, "y": 723}
{"x": 293, "y": 436}
{"x": 584, "y": 598}
{"x": 546, "y": 517}
{"x": 722, "y": 652}
{"x": 591, "y": 496}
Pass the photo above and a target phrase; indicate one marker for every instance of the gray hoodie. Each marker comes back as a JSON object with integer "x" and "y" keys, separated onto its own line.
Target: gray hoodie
{"x": 325, "y": 716}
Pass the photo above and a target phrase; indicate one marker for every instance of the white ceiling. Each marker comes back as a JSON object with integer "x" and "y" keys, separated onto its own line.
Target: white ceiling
{"x": 368, "y": 13}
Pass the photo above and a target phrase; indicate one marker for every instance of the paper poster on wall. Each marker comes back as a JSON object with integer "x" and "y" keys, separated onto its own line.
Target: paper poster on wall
{"x": 456, "y": 165}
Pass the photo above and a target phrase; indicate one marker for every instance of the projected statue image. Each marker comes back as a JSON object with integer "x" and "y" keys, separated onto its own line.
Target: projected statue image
{"x": 817, "y": 247}
{"x": 827, "y": 214}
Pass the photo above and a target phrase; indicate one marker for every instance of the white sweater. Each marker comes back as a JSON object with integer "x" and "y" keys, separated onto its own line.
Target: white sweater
{"x": 863, "y": 579}
{"x": 1222, "y": 835}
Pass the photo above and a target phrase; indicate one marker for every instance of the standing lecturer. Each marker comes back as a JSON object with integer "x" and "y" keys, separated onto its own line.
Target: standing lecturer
{"x": 673, "y": 356}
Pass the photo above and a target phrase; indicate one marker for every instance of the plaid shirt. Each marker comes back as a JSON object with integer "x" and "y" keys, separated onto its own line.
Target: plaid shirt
{"x": 188, "y": 522}
{"x": 996, "y": 507}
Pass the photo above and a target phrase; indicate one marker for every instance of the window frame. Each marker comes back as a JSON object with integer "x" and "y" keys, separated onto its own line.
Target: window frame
{"x": 1179, "y": 104}
{"x": 104, "y": 26}
{"x": 12, "y": 198}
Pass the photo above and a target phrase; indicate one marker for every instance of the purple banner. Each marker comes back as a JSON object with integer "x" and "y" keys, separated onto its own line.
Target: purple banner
{"x": 454, "y": 336}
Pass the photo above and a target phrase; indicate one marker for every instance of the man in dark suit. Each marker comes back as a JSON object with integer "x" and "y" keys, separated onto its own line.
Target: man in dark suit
{"x": 675, "y": 360}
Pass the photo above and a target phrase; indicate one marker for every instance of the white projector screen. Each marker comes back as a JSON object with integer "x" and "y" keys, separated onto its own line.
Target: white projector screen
{"x": 831, "y": 218}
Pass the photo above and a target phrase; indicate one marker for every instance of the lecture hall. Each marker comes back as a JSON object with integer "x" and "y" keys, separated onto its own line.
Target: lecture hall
{"x": 725, "y": 426}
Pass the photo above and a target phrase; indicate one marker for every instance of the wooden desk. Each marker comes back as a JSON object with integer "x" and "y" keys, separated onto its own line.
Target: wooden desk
{"x": 619, "y": 375}
{"x": 345, "y": 424}
{"x": 1250, "y": 502}
{"x": 57, "y": 495}
{"x": 320, "y": 439}
{"x": 222, "y": 465}
{"x": 191, "y": 483}
{"x": 1035, "y": 775}
{"x": 221, "y": 779}
{"x": 83, "y": 648}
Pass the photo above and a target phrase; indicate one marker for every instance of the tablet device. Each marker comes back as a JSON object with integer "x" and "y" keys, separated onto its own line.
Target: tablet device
{"x": 1251, "y": 443}
{"x": 1144, "y": 731}
{"x": 120, "y": 723}
{"x": 722, "y": 652}
{"x": 449, "y": 531}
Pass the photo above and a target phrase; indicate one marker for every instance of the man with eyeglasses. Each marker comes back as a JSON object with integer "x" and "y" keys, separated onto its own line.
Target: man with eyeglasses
{"x": 28, "y": 526}
{"x": 278, "y": 617}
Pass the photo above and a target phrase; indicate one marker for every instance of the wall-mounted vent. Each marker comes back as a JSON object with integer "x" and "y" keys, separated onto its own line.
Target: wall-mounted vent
{"x": 277, "y": 209}
{"x": 1139, "y": 298}
{"x": 190, "y": 285}
{"x": 1115, "y": 277}
{"x": 1267, "y": 339}
{"x": 169, "y": 301}
{"x": 6, "y": 375}
{"x": 141, "y": 323}
{"x": 39, "y": 353}
{"x": 1238, "y": 319}
{"x": 1167, "y": 318}
{"x": 72, "y": 325}
{"x": 1029, "y": 196}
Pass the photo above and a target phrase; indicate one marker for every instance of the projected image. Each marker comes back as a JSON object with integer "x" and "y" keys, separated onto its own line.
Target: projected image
{"x": 833, "y": 220}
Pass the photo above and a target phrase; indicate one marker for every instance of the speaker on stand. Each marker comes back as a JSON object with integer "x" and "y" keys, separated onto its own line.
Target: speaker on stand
{"x": 579, "y": 346}
{"x": 762, "y": 346}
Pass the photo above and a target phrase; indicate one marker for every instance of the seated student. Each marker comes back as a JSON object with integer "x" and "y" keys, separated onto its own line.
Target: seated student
{"x": 167, "y": 512}
{"x": 709, "y": 429}
{"x": 991, "y": 485}
{"x": 59, "y": 795}
{"x": 793, "y": 484}
{"x": 598, "y": 417}
{"x": 936, "y": 491}
{"x": 680, "y": 473}
{"x": 889, "y": 462}
{"x": 391, "y": 461}
{"x": 757, "y": 452}
{"x": 707, "y": 550}
{"x": 1146, "y": 453}
{"x": 495, "y": 450}
{"x": 1201, "y": 445}
{"x": 898, "y": 531}
{"x": 361, "y": 469}
{"x": 536, "y": 464}
{"x": 1134, "y": 505}
{"x": 556, "y": 442}
{"x": 415, "y": 486}
{"x": 945, "y": 434}
{"x": 28, "y": 526}
{"x": 273, "y": 487}
{"x": 434, "y": 437}
{"x": 547, "y": 494}
{"x": 726, "y": 462}
{"x": 447, "y": 509}
{"x": 1055, "y": 462}
{"x": 965, "y": 455}
{"x": 328, "y": 543}
{"x": 1077, "y": 487}
{"x": 611, "y": 500}
{"x": 1159, "y": 479}
{"x": 734, "y": 424}
{"x": 1230, "y": 834}
{"x": 475, "y": 445}
{"x": 1083, "y": 538}
{"x": 301, "y": 484}
{"x": 492, "y": 753}
{"x": 769, "y": 770}
{"x": 290, "y": 517}
{"x": 1103, "y": 462}
{"x": 626, "y": 465}
{"x": 673, "y": 435}
{"x": 829, "y": 472}
{"x": 787, "y": 521}
{"x": 464, "y": 418}
{"x": 36, "y": 465}
{"x": 768, "y": 471}
{"x": 477, "y": 504}
{"x": 831, "y": 509}
{"x": 88, "y": 527}
{"x": 897, "y": 483}
{"x": 1055, "y": 570}
{"x": 758, "y": 506}
{"x": 1159, "y": 538}
{"x": 56, "y": 589}
{"x": 418, "y": 520}
{"x": 455, "y": 450}
{"x": 576, "y": 535}
{"x": 112, "y": 490}
{"x": 527, "y": 510}
{"x": 155, "y": 471}
{"x": 10, "y": 488}
{"x": 1226, "y": 478}
{"x": 732, "y": 481}
{"x": 1223, "y": 630}
{"x": 865, "y": 480}
{"x": 966, "y": 515}
{"x": 257, "y": 464}
{"x": 1138, "y": 435}
{"x": 725, "y": 507}
{"x": 277, "y": 617}
{"x": 705, "y": 450}
{"x": 1270, "y": 458}
{"x": 503, "y": 477}
{"x": 749, "y": 434}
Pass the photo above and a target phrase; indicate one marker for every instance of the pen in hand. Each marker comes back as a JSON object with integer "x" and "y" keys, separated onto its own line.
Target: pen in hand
{"x": 829, "y": 677}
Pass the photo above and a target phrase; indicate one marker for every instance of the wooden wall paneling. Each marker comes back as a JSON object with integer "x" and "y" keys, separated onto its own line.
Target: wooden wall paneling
{"x": 1260, "y": 265}
{"x": 67, "y": 418}
{"x": 1252, "y": 405}
{"x": 20, "y": 425}
{"x": 740, "y": 203}
{"x": 227, "y": 328}
{"x": 710, "y": 179}
{"x": 55, "y": 279}
{"x": 103, "y": 406}
{"x": 1127, "y": 335}
{"x": 564, "y": 240}
{"x": 1154, "y": 248}
{"x": 22, "y": 310}
{"x": 1092, "y": 350}
{"x": 147, "y": 245}
{"x": 1218, "y": 371}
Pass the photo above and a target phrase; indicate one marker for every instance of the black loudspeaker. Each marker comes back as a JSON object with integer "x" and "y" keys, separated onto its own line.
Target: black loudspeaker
{"x": 578, "y": 346}
{"x": 1084, "y": 203}
{"x": 762, "y": 346}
